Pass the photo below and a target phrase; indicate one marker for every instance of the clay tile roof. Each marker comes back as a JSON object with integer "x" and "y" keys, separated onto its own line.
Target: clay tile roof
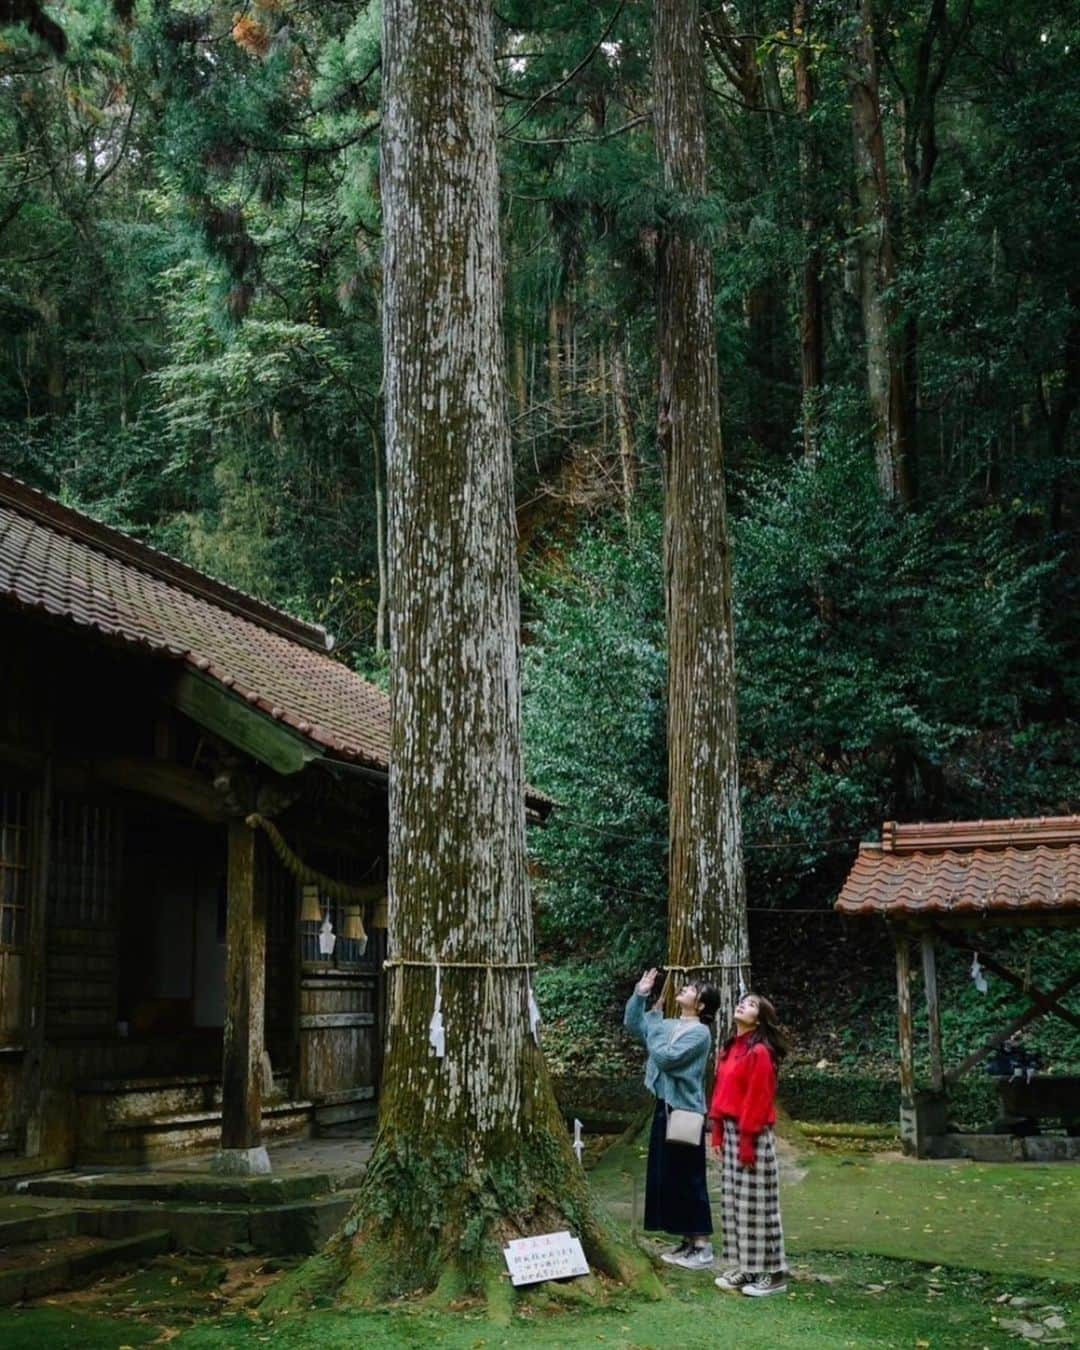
{"x": 66, "y": 565}
{"x": 968, "y": 869}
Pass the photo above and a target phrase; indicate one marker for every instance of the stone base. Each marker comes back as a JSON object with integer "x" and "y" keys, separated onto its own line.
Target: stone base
{"x": 1041, "y": 1148}
{"x": 241, "y": 1162}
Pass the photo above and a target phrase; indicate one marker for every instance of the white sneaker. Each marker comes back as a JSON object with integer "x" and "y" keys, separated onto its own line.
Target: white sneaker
{"x": 765, "y": 1285}
{"x": 733, "y": 1280}
{"x": 696, "y": 1258}
{"x": 674, "y": 1256}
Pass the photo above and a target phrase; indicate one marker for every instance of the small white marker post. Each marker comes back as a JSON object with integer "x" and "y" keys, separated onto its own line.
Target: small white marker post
{"x": 578, "y": 1144}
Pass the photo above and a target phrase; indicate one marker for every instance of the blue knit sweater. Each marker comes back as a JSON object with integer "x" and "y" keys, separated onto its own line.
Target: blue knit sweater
{"x": 675, "y": 1069}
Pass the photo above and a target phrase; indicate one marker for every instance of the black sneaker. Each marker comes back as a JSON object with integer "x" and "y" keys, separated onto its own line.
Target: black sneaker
{"x": 765, "y": 1285}
{"x": 696, "y": 1258}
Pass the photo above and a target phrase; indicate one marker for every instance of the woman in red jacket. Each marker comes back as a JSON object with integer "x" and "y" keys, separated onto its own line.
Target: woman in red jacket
{"x": 743, "y": 1112}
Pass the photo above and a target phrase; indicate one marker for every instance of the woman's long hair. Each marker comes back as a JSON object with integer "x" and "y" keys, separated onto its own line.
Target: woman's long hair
{"x": 709, "y": 1001}
{"x": 768, "y": 1031}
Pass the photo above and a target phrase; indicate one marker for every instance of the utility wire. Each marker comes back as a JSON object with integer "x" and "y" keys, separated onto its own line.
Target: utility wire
{"x": 792, "y": 843}
{"x": 663, "y": 899}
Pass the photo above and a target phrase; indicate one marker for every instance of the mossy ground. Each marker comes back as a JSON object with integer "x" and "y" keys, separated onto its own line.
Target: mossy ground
{"x": 886, "y": 1253}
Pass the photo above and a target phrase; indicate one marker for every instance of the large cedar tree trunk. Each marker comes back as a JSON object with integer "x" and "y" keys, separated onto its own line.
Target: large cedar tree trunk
{"x": 707, "y": 894}
{"x": 877, "y": 267}
{"x": 812, "y": 300}
{"x": 471, "y": 1148}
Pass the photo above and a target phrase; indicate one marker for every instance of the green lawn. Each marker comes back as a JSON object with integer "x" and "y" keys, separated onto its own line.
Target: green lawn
{"x": 871, "y": 1302}
{"x": 1002, "y": 1217}
{"x": 886, "y": 1253}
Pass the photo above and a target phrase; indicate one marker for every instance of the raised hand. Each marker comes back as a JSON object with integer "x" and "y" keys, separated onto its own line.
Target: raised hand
{"x": 645, "y": 984}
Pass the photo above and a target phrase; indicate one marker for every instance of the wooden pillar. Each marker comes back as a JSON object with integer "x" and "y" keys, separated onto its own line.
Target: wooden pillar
{"x": 933, "y": 1012}
{"x": 908, "y": 1125}
{"x": 242, "y": 1151}
{"x": 32, "y": 1088}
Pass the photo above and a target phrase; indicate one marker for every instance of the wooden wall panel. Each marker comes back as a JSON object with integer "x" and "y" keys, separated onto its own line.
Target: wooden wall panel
{"x": 338, "y": 1028}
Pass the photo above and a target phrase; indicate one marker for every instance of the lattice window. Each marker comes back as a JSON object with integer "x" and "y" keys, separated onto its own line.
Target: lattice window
{"x": 346, "y": 950}
{"x": 14, "y": 867}
{"x": 87, "y": 845}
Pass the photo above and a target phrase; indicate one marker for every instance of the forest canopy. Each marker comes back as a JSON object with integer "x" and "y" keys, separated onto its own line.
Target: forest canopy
{"x": 190, "y": 311}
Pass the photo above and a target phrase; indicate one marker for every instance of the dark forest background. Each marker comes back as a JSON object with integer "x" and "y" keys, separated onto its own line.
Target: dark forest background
{"x": 189, "y": 316}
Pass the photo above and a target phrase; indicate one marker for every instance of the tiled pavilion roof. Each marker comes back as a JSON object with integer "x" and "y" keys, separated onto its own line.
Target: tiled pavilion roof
{"x": 64, "y": 564}
{"x": 1018, "y": 870}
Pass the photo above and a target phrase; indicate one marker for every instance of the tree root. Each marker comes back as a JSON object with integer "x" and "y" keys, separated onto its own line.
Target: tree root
{"x": 299, "y": 1288}
{"x": 625, "y": 1262}
{"x": 453, "y": 1286}
{"x": 499, "y": 1294}
{"x": 433, "y": 1228}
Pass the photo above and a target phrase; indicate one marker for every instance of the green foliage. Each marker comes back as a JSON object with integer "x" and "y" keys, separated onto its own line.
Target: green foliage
{"x": 594, "y": 735}
{"x": 875, "y": 650}
{"x": 1043, "y": 959}
{"x": 582, "y": 1005}
{"x": 873, "y": 1099}
{"x": 890, "y": 665}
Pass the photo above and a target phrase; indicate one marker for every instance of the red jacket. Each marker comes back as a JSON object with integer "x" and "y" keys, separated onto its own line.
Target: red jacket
{"x": 745, "y": 1091}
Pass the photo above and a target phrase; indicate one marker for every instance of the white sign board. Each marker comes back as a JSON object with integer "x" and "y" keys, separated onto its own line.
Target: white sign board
{"x": 551, "y": 1256}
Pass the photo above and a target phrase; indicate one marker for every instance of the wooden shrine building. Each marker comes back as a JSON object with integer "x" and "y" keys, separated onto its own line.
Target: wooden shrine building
{"x": 962, "y": 884}
{"x": 193, "y": 827}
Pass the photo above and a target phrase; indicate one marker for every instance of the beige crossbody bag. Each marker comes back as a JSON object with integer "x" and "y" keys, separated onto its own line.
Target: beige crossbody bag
{"x": 685, "y": 1127}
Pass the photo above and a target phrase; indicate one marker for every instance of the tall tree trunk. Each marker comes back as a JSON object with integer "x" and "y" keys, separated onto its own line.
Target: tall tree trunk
{"x": 812, "y": 302}
{"x": 521, "y": 370}
{"x": 938, "y": 44}
{"x": 383, "y": 607}
{"x": 471, "y": 1148}
{"x": 707, "y": 894}
{"x": 555, "y": 363}
{"x": 884, "y": 363}
{"x": 624, "y": 421}
{"x": 766, "y": 308}
{"x": 1062, "y": 410}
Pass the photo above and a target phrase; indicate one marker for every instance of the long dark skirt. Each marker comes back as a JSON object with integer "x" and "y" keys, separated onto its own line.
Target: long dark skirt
{"x": 676, "y": 1196}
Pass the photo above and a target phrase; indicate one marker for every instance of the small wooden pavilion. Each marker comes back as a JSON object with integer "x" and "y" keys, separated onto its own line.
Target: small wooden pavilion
{"x": 958, "y": 884}
{"x": 193, "y": 831}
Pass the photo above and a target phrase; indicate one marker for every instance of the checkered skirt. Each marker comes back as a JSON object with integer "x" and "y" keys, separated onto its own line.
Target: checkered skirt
{"x": 750, "y": 1205}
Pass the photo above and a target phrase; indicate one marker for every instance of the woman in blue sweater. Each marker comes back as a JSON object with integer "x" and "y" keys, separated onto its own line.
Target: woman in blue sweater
{"x": 676, "y": 1197}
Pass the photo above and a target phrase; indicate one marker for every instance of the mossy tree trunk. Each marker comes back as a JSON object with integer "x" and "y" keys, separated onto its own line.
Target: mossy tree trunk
{"x": 471, "y": 1147}
{"x": 877, "y": 265}
{"x": 707, "y": 892}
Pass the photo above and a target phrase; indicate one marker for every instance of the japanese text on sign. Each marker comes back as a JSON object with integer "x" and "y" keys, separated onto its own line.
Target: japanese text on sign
{"x": 550, "y": 1256}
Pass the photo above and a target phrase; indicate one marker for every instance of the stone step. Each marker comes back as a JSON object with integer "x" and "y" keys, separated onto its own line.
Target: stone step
{"x": 183, "y": 1187}
{"x": 299, "y": 1228}
{"x": 38, "y": 1226}
{"x": 35, "y": 1268}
